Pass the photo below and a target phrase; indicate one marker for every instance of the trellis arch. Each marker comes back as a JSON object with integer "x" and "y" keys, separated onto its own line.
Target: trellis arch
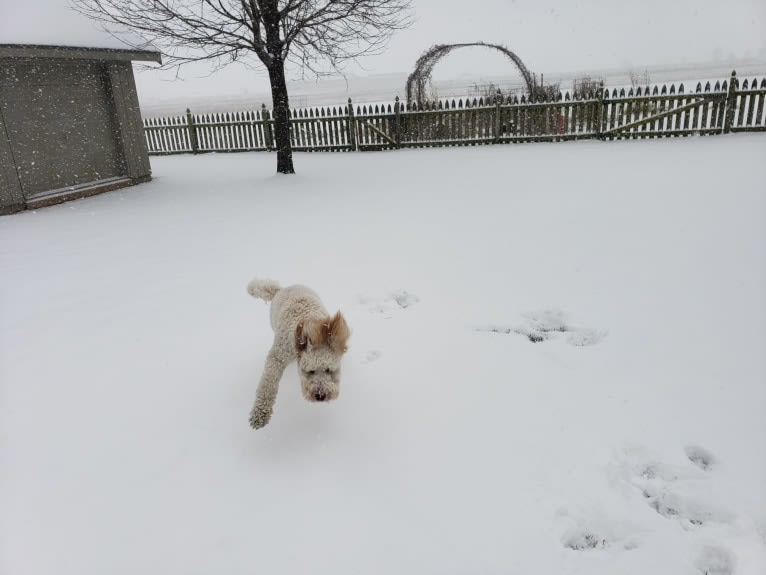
{"x": 417, "y": 81}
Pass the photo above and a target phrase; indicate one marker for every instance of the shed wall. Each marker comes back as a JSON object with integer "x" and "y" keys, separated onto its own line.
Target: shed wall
{"x": 61, "y": 123}
{"x": 67, "y": 125}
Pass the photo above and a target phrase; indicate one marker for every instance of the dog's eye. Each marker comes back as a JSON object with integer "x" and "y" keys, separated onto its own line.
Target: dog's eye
{"x": 327, "y": 370}
{"x": 311, "y": 372}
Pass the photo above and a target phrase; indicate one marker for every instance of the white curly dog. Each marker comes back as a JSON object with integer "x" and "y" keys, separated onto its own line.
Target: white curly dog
{"x": 305, "y": 332}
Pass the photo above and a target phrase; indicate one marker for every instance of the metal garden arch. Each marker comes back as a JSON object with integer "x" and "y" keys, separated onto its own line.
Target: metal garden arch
{"x": 418, "y": 80}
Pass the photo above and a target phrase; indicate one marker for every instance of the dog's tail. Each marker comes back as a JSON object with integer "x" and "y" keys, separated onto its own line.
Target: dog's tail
{"x": 263, "y": 289}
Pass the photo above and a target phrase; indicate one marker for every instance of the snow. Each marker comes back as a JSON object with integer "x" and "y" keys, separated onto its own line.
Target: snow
{"x": 129, "y": 355}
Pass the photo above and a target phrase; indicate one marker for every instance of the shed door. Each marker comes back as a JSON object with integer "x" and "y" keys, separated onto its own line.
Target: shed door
{"x": 60, "y": 124}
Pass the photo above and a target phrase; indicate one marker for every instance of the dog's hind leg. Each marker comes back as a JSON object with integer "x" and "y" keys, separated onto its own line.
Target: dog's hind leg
{"x": 268, "y": 387}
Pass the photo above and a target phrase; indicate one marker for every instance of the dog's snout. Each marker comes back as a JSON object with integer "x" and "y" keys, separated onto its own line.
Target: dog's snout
{"x": 320, "y": 396}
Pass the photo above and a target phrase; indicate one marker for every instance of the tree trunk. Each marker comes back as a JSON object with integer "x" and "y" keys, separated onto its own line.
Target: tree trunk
{"x": 281, "y": 117}
{"x": 274, "y": 61}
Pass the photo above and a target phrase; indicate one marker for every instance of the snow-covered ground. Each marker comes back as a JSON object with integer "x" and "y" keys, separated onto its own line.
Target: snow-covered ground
{"x": 557, "y": 366}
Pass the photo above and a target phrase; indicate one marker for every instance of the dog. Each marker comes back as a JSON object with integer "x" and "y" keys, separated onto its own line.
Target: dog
{"x": 303, "y": 332}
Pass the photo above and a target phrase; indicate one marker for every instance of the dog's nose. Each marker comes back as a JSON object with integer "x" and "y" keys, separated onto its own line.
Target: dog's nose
{"x": 320, "y": 396}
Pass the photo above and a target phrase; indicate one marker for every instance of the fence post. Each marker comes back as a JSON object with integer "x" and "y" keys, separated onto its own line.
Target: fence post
{"x": 268, "y": 134}
{"x": 192, "y": 127}
{"x": 351, "y": 127}
{"x": 397, "y": 123}
{"x": 599, "y": 120}
{"x": 731, "y": 101}
{"x": 498, "y": 103}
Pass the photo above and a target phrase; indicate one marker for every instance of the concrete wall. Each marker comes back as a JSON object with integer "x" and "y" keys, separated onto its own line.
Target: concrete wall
{"x": 11, "y": 197}
{"x": 68, "y": 128}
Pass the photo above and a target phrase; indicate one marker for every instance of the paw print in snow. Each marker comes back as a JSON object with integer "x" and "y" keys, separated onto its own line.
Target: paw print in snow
{"x": 389, "y": 303}
{"x": 700, "y": 457}
{"x": 714, "y": 561}
{"x": 548, "y": 324}
{"x": 669, "y": 489}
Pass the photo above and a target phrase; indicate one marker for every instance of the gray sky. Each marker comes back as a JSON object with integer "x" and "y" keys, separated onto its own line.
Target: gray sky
{"x": 581, "y": 34}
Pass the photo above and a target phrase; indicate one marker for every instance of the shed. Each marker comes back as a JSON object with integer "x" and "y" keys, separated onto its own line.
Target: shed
{"x": 70, "y": 123}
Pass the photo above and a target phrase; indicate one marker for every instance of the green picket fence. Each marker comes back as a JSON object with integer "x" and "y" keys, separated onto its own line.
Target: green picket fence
{"x": 651, "y": 112}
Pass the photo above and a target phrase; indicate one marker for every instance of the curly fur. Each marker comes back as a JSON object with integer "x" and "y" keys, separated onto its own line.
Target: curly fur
{"x": 303, "y": 332}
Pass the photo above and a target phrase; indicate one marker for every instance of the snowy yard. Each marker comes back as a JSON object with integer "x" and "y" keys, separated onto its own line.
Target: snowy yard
{"x": 628, "y": 438}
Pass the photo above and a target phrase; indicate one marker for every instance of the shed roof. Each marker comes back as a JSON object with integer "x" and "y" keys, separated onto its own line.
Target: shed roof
{"x": 32, "y": 51}
{"x": 51, "y": 28}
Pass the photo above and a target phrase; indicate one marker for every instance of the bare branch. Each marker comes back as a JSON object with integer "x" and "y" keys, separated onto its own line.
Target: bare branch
{"x": 310, "y": 33}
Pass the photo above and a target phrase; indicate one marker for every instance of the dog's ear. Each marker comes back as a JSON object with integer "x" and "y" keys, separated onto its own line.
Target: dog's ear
{"x": 310, "y": 334}
{"x": 338, "y": 333}
{"x": 301, "y": 339}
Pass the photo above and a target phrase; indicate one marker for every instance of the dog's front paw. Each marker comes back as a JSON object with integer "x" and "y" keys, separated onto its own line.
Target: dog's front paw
{"x": 259, "y": 417}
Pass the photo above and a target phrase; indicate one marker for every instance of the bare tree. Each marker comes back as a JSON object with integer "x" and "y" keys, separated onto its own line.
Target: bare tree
{"x": 317, "y": 35}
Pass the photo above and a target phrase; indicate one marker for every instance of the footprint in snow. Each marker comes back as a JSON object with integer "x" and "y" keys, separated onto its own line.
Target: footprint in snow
{"x": 714, "y": 560}
{"x": 666, "y": 487}
{"x": 700, "y": 457}
{"x": 582, "y": 539}
{"x": 390, "y": 303}
{"x": 549, "y": 324}
{"x": 589, "y": 529}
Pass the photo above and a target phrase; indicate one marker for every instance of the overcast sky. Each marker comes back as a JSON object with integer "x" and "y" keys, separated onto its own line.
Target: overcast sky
{"x": 549, "y": 36}
{"x": 577, "y": 34}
